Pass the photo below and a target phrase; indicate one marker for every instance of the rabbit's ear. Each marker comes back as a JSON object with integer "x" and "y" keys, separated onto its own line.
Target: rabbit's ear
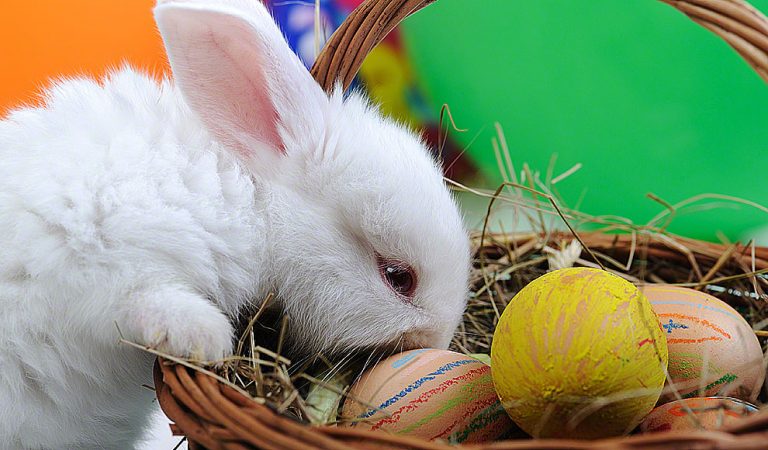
{"x": 238, "y": 74}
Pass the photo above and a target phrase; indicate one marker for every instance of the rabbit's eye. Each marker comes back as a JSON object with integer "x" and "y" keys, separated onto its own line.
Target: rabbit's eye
{"x": 399, "y": 276}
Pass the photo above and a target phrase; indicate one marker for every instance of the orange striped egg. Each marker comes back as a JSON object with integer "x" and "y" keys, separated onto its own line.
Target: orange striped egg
{"x": 712, "y": 349}
{"x": 430, "y": 394}
{"x": 708, "y": 413}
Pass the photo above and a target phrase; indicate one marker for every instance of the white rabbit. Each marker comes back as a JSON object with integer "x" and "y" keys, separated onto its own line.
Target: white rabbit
{"x": 163, "y": 209}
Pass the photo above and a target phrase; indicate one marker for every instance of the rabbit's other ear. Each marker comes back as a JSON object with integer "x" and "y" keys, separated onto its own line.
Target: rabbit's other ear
{"x": 238, "y": 74}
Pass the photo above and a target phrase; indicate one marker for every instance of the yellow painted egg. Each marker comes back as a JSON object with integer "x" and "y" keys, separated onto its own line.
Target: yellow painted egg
{"x": 578, "y": 353}
{"x": 430, "y": 394}
{"x": 709, "y": 413}
{"x": 712, "y": 349}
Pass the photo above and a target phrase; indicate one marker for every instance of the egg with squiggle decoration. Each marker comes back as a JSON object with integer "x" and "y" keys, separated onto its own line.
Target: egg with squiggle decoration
{"x": 578, "y": 353}
{"x": 712, "y": 349}
{"x": 430, "y": 394}
{"x": 688, "y": 414}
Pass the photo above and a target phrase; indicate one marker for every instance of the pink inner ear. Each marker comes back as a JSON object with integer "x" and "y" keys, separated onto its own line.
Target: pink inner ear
{"x": 223, "y": 68}
{"x": 247, "y": 91}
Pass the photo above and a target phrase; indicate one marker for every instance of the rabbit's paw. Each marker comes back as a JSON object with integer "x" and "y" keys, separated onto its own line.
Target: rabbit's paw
{"x": 180, "y": 323}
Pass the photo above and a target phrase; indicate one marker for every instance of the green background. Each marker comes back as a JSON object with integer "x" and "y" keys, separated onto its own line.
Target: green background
{"x": 646, "y": 99}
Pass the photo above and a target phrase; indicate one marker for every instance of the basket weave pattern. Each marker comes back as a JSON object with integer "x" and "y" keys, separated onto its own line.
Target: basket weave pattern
{"x": 215, "y": 416}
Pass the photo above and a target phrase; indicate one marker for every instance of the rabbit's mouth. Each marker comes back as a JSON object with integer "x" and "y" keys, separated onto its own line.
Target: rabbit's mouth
{"x": 425, "y": 339}
{"x": 413, "y": 340}
{"x": 371, "y": 353}
{"x": 358, "y": 360}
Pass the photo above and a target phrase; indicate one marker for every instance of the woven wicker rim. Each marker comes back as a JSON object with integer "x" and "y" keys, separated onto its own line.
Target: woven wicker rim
{"x": 218, "y": 417}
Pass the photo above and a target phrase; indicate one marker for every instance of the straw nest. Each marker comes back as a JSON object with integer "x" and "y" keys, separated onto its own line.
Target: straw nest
{"x": 311, "y": 388}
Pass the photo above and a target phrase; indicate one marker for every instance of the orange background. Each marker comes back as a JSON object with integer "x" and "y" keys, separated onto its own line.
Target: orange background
{"x": 44, "y": 39}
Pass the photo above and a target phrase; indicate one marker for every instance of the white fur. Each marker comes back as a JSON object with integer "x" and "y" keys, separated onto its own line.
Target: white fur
{"x": 121, "y": 206}
{"x": 158, "y": 435}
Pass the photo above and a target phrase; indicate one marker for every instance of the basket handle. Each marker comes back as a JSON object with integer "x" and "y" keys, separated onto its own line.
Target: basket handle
{"x": 361, "y": 31}
{"x": 737, "y": 22}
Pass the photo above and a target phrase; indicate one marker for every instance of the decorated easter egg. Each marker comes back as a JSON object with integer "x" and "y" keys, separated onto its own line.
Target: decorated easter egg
{"x": 712, "y": 349}
{"x": 429, "y": 394}
{"x": 578, "y": 353}
{"x": 710, "y": 413}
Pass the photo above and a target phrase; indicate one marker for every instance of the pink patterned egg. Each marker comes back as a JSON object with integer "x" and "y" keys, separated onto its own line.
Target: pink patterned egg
{"x": 712, "y": 349}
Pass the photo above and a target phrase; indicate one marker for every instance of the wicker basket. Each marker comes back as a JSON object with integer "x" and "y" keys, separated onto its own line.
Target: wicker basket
{"x": 215, "y": 416}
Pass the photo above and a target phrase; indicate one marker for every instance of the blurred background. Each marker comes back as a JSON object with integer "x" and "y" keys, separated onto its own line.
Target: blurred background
{"x": 599, "y": 102}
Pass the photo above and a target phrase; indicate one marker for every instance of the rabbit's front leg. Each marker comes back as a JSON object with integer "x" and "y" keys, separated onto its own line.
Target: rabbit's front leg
{"x": 176, "y": 320}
